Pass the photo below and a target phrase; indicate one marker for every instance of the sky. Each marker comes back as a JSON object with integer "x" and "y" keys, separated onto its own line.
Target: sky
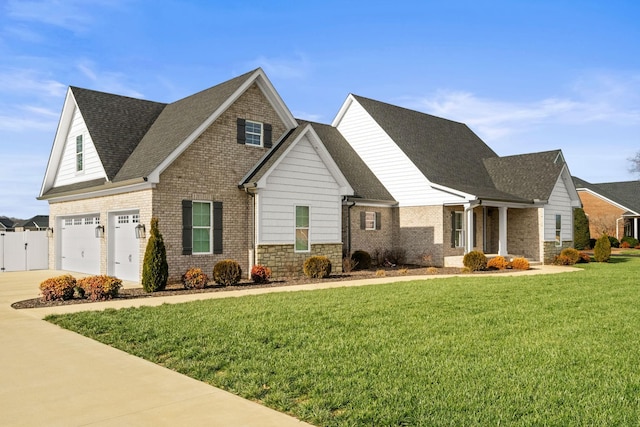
{"x": 526, "y": 76}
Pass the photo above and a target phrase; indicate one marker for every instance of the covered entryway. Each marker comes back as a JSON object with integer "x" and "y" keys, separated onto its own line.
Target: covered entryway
{"x": 124, "y": 247}
{"x": 79, "y": 246}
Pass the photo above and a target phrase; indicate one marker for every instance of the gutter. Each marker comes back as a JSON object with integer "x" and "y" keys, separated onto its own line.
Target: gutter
{"x": 87, "y": 191}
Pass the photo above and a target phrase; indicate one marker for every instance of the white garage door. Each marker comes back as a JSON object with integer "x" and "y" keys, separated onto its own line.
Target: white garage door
{"x": 126, "y": 248}
{"x": 79, "y": 246}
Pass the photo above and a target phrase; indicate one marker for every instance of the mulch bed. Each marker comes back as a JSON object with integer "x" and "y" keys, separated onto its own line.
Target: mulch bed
{"x": 178, "y": 289}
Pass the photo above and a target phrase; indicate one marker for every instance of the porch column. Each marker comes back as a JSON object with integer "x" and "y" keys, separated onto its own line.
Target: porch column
{"x": 502, "y": 218}
{"x": 468, "y": 244}
{"x": 635, "y": 228}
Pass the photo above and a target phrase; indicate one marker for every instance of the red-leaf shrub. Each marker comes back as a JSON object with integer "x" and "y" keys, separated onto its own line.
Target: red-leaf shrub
{"x": 260, "y": 274}
{"x": 520, "y": 264}
{"x": 499, "y": 263}
{"x": 100, "y": 288}
{"x": 194, "y": 278}
{"x": 58, "y": 288}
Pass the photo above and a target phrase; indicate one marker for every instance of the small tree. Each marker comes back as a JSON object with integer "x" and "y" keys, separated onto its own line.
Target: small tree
{"x": 635, "y": 163}
{"x": 581, "y": 234}
{"x": 155, "y": 270}
{"x": 602, "y": 250}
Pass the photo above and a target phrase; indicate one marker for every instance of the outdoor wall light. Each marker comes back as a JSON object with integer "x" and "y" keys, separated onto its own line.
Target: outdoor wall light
{"x": 99, "y": 231}
{"x": 49, "y": 231}
{"x": 140, "y": 231}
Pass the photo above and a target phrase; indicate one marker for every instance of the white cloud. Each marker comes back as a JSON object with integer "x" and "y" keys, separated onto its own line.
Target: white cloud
{"x": 30, "y": 82}
{"x": 107, "y": 81}
{"x": 308, "y": 116}
{"x": 296, "y": 68}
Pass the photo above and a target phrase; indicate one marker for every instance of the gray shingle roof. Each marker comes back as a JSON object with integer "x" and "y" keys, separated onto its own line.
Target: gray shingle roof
{"x": 6, "y": 222}
{"x": 116, "y": 124}
{"x": 625, "y": 193}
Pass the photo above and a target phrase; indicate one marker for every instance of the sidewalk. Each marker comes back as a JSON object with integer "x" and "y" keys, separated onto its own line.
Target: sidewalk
{"x": 54, "y": 377}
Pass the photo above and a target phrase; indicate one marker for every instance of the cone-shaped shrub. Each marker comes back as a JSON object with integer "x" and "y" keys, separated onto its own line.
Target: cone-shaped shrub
{"x": 602, "y": 250}
{"x": 155, "y": 270}
{"x": 581, "y": 236}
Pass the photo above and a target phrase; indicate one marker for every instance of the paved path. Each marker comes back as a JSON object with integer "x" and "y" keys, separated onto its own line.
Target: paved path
{"x": 50, "y": 376}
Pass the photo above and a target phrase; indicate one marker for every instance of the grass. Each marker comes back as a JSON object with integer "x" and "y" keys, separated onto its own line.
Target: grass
{"x": 528, "y": 350}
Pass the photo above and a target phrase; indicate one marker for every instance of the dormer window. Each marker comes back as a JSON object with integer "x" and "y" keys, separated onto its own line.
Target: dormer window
{"x": 79, "y": 154}
{"x": 254, "y": 133}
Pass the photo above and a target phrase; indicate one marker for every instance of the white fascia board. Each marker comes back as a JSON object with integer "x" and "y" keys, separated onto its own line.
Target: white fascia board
{"x": 111, "y": 190}
{"x": 565, "y": 174}
{"x": 268, "y": 90}
{"x": 343, "y": 110}
{"x": 457, "y": 193}
{"x": 318, "y": 146}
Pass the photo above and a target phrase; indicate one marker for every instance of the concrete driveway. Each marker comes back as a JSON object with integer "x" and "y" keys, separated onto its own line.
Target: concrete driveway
{"x": 52, "y": 377}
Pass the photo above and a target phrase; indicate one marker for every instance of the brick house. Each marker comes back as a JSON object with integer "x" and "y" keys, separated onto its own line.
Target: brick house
{"x": 612, "y": 207}
{"x": 230, "y": 173}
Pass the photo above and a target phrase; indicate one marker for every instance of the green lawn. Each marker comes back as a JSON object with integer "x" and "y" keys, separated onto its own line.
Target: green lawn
{"x": 530, "y": 350}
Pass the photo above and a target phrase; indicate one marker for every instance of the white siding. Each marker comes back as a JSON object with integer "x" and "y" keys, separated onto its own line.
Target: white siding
{"x": 300, "y": 179}
{"x": 387, "y": 161}
{"x": 92, "y": 166}
{"x": 559, "y": 204}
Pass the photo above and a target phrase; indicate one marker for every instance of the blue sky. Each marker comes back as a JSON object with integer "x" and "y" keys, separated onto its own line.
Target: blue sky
{"x": 524, "y": 75}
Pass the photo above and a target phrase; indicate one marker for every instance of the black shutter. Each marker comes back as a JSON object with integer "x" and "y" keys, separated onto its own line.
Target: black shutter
{"x": 453, "y": 229}
{"x": 217, "y": 227}
{"x": 267, "y": 135}
{"x": 378, "y": 221}
{"x": 363, "y": 220}
{"x": 241, "y": 133}
{"x": 187, "y": 227}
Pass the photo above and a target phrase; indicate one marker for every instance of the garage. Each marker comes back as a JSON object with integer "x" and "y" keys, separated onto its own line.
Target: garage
{"x": 79, "y": 246}
{"x": 124, "y": 246}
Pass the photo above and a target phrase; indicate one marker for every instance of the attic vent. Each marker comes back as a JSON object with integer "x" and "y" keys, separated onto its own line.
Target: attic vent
{"x": 559, "y": 159}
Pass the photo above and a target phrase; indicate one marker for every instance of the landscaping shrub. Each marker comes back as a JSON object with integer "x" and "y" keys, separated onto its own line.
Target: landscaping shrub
{"x": 227, "y": 272}
{"x": 317, "y": 267}
{"x": 362, "y": 260}
{"x": 625, "y": 245}
{"x": 562, "y": 260}
{"x": 581, "y": 234}
{"x": 498, "y": 263}
{"x": 475, "y": 261}
{"x": 260, "y": 274}
{"x": 432, "y": 270}
{"x": 100, "y": 288}
{"x": 395, "y": 256}
{"x": 58, "y": 288}
{"x": 572, "y": 254}
{"x": 632, "y": 241}
{"x": 348, "y": 265}
{"x": 155, "y": 270}
{"x": 194, "y": 278}
{"x": 584, "y": 258}
{"x": 592, "y": 243}
{"x": 602, "y": 249}
{"x": 614, "y": 242}
{"x": 381, "y": 273}
{"x": 520, "y": 264}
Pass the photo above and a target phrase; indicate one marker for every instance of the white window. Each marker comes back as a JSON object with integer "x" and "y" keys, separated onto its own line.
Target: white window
{"x": 253, "y": 133}
{"x": 77, "y": 221}
{"x": 458, "y": 229}
{"x": 88, "y": 221}
{"x": 135, "y": 218}
{"x": 79, "y": 154}
{"x": 558, "y": 230}
{"x": 201, "y": 232}
{"x": 123, "y": 219}
{"x": 68, "y": 222}
{"x": 370, "y": 221}
{"x": 302, "y": 229}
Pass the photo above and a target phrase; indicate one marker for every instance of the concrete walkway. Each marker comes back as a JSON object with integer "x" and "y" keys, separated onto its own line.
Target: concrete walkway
{"x": 50, "y": 376}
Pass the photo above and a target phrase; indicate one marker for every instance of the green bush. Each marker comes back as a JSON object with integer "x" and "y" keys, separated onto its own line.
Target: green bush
{"x": 260, "y": 274}
{"x": 317, "y": 267}
{"x": 581, "y": 234}
{"x": 631, "y": 241}
{"x": 475, "y": 261}
{"x": 602, "y": 249}
{"x": 562, "y": 260}
{"x": 362, "y": 260}
{"x": 194, "y": 278}
{"x": 615, "y": 243}
{"x": 572, "y": 254}
{"x": 100, "y": 288}
{"x": 227, "y": 272}
{"x": 155, "y": 270}
{"x": 58, "y": 288}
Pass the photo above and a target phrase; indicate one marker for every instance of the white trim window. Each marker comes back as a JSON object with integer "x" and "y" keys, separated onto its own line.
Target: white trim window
{"x": 558, "y": 230}
{"x": 370, "y": 221}
{"x": 79, "y": 154}
{"x": 302, "y": 229}
{"x": 201, "y": 232}
{"x": 253, "y": 133}
{"x": 458, "y": 229}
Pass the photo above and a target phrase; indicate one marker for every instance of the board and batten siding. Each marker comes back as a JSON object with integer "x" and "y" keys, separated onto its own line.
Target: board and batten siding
{"x": 300, "y": 179}
{"x": 559, "y": 204}
{"x": 387, "y": 161}
{"x": 93, "y": 169}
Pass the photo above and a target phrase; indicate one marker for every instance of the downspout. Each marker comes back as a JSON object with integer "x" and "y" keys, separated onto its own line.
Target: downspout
{"x": 252, "y": 215}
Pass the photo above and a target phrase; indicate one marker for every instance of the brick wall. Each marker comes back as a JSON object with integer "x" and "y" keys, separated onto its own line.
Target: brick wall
{"x": 602, "y": 216}
{"x": 523, "y": 233}
{"x": 370, "y": 240}
{"x": 285, "y": 262}
{"x": 421, "y": 233}
{"x": 210, "y": 170}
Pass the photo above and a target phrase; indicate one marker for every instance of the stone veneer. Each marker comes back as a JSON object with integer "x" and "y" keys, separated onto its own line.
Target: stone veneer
{"x": 285, "y": 262}
{"x": 551, "y": 250}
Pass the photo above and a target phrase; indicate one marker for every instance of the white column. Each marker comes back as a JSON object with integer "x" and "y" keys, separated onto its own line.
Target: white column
{"x": 502, "y": 247}
{"x": 468, "y": 247}
{"x": 635, "y": 229}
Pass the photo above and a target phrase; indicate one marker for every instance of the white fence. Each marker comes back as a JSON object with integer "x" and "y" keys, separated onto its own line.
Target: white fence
{"x": 24, "y": 250}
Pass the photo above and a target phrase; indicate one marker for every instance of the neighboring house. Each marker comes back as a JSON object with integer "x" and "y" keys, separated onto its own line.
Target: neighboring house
{"x": 116, "y": 162}
{"x": 453, "y": 193}
{"x": 6, "y": 224}
{"x": 612, "y": 207}
{"x": 36, "y": 223}
{"x": 230, "y": 173}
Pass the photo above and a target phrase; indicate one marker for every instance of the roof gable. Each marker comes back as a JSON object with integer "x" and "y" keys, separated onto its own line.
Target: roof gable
{"x": 625, "y": 194}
